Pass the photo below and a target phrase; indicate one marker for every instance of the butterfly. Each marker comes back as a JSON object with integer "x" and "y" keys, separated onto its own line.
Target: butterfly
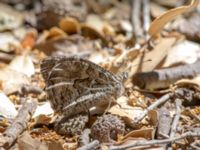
{"x": 74, "y": 85}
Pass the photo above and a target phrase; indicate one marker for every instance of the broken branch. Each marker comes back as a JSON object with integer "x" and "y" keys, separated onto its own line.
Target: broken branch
{"x": 19, "y": 124}
{"x": 155, "y": 142}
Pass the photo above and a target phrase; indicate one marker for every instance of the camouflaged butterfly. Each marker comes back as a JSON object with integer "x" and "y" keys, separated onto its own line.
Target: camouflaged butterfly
{"x": 74, "y": 85}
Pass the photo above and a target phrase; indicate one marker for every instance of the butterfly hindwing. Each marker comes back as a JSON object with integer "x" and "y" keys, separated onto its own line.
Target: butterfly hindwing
{"x": 68, "y": 78}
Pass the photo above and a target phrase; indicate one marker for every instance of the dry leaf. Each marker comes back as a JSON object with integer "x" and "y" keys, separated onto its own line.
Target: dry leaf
{"x": 156, "y": 55}
{"x": 157, "y": 10}
{"x": 8, "y": 42}
{"x": 128, "y": 113}
{"x": 147, "y": 133}
{"x": 42, "y": 119}
{"x": 158, "y": 24}
{"x": 91, "y": 32}
{"x": 183, "y": 52}
{"x": 26, "y": 142}
{"x": 12, "y": 81}
{"x": 95, "y": 21}
{"x": 44, "y": 109}
{"x": 9, "y": 18}
{"x": 23, "y": 64}
{"x": 69, "y": 25}
{"x": 29, "y": 40}
{"x": 7, "y": 108}
{"x": 153, "y": 117}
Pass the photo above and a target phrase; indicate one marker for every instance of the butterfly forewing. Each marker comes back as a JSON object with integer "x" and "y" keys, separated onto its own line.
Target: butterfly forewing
{"x": 69, "y": 78}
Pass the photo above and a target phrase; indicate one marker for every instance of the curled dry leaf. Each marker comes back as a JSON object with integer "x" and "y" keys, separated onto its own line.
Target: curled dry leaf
{"x": 158, "y": 24}
{"x": 95, "y": 21}
{"x": 91, "y": 32}
{"x": 69, "y": 25}
{"x": 55, "y": 32}
{"x": 147, "y": 133}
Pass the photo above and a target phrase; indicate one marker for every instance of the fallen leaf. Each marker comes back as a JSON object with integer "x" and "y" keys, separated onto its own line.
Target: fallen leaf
{"x": 25, "y": 141}
{"x": 189, "y": 26}
{"x": 128, "y": 113}
{"x": 44, "y": 109}
{"x": 7, "y": 108}
{"x": 95, "y": 21}
{"x": 12, "y": 81}
{"x": 158, "y": 24}
{"x": 147, "y": 133}
{"x": 8, "y": 42}
{"x": 69, "y": 25}
{"x": 29, "y": 40}
{"x": 93, "y": 33}
{"x": 9, "y": 17}
{"x": 186, "y": 52}
{"x": 157, "y": 10}
{"x": 23, "y": 64}
{"x": 156, "y": 55}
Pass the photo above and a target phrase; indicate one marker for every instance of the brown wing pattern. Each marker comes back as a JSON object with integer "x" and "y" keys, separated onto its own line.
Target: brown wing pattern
{"x": 67, "y": 79}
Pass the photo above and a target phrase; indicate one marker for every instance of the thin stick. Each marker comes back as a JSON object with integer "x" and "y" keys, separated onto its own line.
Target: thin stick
{"x": 155, "y": 142}
{"x": 146, "y": 16}
{"x": 164, "y": 77}
{"x": 153, "y": 106}
{"x": 27, "y": 89}
{"x": 135, "y": 18}
{"x": 176, "y": 118}
{"x": 19, "y": 124}
{"x": 90, "y": 146}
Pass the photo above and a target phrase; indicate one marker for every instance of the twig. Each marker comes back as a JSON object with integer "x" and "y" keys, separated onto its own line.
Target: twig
{"x": 176, "y": 118}
{"x": 19, "y": 124}
{"x": 26, "y": 89}
{"x": 164, "y": 123}
{"x": 195, "y": 145}
{"x": 92, "y": 145}
{"x": 146, "y": 16}
{"x": 155, "y": 142}
{"x": 164, "y": 77}
{"x": 153, "y": 106}
{"x": 135, "y": 18}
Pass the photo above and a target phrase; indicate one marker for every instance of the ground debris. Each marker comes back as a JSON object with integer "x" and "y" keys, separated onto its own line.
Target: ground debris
{"x": 104, "y": 74}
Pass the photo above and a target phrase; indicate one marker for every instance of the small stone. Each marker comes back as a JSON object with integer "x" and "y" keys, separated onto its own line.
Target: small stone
{"x": 106, "y": 128}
